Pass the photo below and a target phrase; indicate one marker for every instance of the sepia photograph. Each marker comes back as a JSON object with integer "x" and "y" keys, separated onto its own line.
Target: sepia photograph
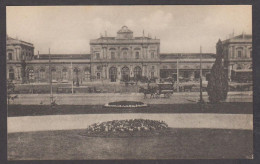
{"x": 129, "y": 82}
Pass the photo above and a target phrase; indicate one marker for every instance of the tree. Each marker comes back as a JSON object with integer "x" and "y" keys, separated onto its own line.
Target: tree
{"x": 218, "y": 82}
{"x": 23, "y": 71}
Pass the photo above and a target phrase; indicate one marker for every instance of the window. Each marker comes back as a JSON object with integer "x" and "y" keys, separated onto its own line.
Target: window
{"x": 42, "y": 74}
{"x": 112, "y": 55}
{"x": 186, "y": 74}
{"x": 152, "y": 55}
{"x": 251, "y": 54}
{"x": 64, "y": 74}
{"x": 137, "y": 55}
{"x": 152, "y": 67}
{"x": 197, "y": 74}
{"x": 152, "y": 75}
{"x": 10, "y": 56}
{"x": 239, "y": 54}
{"x": 99, "y": 67}
{"x": 98, "y": 75}
{"x": 125, "y": 54}
{"x": 31, "y": 74}
{"x": 11, "y": 74}
{"x": 97, "y": 56}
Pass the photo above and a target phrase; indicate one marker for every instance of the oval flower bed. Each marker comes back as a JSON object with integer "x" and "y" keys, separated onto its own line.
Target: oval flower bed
{"x": 126, "y": 128}
{"x": 123, "y": 104}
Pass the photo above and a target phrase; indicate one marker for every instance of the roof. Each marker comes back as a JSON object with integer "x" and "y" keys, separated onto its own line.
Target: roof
{"x": 10, "y": 40}
{"x": 187, "y": 56}
{"x": 239, "y": 38}
{"x": 62, "y": 56}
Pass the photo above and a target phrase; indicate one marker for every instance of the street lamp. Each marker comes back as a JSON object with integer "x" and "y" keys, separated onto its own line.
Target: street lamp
{"x": 201, "y": 101}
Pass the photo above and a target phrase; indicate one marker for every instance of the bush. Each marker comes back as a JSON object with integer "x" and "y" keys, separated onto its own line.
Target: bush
{"x": 124, "y": 128}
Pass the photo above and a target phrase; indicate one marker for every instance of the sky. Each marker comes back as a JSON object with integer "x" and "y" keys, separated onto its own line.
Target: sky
{"x": 181, "y": 29}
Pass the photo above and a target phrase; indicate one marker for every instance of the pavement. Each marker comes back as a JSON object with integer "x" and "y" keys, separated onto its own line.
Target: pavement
{"x": 103, "y": 98}
{"x": 176, "y": 120}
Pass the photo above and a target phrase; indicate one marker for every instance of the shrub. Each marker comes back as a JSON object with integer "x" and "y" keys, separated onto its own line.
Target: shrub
{"x": 124, "y": 128}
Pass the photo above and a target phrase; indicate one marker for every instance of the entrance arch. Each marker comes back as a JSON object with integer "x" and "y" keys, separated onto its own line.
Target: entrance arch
{"x": 125, "y": 74}
{"x": 137, "y": 73}
{"x": 113, "y": 74}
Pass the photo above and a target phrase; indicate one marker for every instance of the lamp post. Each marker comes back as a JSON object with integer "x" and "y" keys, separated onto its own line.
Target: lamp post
{"x": 201, "y": 101}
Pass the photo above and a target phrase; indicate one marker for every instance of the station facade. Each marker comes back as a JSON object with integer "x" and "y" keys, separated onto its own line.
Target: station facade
{"x": 115, "y": 59}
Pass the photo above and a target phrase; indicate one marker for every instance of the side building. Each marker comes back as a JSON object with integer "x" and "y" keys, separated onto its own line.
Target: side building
{"x": 238, "y": 58}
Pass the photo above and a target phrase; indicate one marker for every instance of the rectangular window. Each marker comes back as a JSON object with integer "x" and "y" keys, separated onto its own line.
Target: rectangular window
{"x": 97, "y": 56}
{"x": 251, "y": 54}
{"x": 239, "y": 54}
{"x": 112, "y": 55}
{"x": 152, "y": 55}
{"x": 10, "y": 56}
{"x": 152, "y": 75}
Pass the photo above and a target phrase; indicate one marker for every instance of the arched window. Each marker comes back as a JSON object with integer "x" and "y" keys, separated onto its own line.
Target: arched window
{"x": 137, "y": 55}
{"x": 42, "y": 74}
{"x": 11, "y": 74}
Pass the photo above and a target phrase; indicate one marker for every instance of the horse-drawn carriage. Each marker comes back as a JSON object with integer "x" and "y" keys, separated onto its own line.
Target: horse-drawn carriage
{"x": 161, "y": 89}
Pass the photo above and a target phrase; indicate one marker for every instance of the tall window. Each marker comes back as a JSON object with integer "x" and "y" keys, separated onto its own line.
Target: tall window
{"x": 251, "y": 56}
{"x": 64, "y": 74}
{"x": 11, "y": 74}
{"x": 98, "y": 75}
{"x": 137, "y": 55}
{"x": 53, "y": 73}
{"x": 97, "y": 56}
{"x": 87, "y": 73}
{"x": 112, "y": 55}
{"x": 125, "y": 54}
{"x": 31, "y": 74}
{"x": 10, "y": 56}
{"x": 239, "y": 54}
{"x": 42, "y": 74}
{"x": 152, "y": 55}
{"x": 152, "y": 75}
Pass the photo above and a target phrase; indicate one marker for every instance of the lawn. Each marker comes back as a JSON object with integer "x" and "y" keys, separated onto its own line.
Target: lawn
{"x": 177, "y": 144}
{"x": 34, "y": 110}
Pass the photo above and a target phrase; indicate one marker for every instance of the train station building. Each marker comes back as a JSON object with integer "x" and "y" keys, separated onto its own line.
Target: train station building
{"x": 123, "y": 57}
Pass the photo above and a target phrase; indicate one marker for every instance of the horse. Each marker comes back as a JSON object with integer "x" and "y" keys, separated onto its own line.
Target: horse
{"x": 150, "y": 90}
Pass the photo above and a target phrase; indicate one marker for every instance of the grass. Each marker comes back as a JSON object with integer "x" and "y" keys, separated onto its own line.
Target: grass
{"x": 177, "y": 144}
{"x": 37, "y": 110}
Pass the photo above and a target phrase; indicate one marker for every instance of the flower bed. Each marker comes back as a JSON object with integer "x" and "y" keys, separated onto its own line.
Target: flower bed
{"x": 123, "y": 104}
{"x": 126, "y": 128}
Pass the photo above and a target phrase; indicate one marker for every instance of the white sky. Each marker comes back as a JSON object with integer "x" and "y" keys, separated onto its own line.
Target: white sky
{"x": 68, "y": 29}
